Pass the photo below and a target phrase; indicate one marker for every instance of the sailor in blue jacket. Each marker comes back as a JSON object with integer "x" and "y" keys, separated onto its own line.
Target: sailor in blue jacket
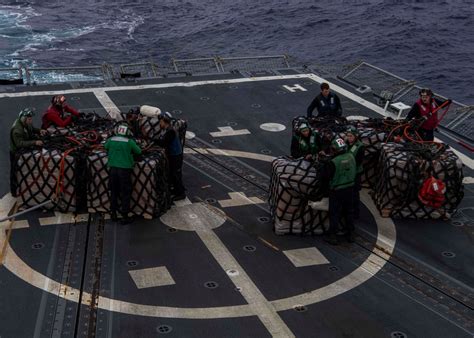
{"x": 170, "y": 141}
{"x": 327, "y": 103}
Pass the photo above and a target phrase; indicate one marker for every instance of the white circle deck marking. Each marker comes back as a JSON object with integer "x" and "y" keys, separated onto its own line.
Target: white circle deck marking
{"x": 190, "y": 135}
{"x": 192, "y": 217}
{"x": 386, "y": 238}
{"x": 273, "y": 127}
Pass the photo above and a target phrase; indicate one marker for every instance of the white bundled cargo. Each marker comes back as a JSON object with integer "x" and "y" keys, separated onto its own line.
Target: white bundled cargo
{"x": 293, "y": 184}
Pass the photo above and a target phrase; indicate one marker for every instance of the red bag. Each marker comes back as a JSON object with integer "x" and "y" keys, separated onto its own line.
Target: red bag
{"x": 432, "y": 193}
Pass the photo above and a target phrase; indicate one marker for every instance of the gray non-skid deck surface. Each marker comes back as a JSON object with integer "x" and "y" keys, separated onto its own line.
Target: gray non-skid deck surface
{"x": 393, "y": 300}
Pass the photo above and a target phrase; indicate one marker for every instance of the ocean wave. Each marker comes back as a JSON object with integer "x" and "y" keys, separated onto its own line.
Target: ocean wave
{"x": 413, "y": 39}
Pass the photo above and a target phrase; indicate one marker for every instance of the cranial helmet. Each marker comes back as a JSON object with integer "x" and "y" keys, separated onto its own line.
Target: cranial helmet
{"x": 338, "y": 145}
{"x": 303, "y": 126}
{"x": 122, "y": 129}
{"x": 58, "y": 100}
{"x": 353, "y": 130}
{"x": 27, "y": 112}
{"x": 165, "y": 116}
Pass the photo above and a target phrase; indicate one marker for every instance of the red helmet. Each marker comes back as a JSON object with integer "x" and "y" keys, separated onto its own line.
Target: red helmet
{"x": 58, "y": 100}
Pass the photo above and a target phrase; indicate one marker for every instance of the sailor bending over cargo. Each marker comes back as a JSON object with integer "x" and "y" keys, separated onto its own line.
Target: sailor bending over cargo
{"x": 169, "y": 140}
{"x": 305, "y": 143}
{"x": 356, "y": 148}
{"x": 120, "y": 150}
{"x": 426, "y": 108}
{"x": 22, "y": 136}
{"x": 340, "y": 171}
{"x": 327, "y": 103}
{"x": 55, "y": 115}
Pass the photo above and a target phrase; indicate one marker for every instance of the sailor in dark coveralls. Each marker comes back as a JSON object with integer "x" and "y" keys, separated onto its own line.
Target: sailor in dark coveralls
{"x": 327, "y": 103}
{"x": 169, "y": 140}
{"x": 22, "y": 135}
{"x": 120, "y": 149}
{"x": 356, "y": 147}
{"x": 341, "y": 172}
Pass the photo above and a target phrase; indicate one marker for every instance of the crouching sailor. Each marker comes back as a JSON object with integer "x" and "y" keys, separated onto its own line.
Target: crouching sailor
{"x": 120, "y": 149}
{"x": 341, "y": 173}
{"x": 22, "y": 135}
{"x": 54, "y": 116}
{"x": 305, "y": 143}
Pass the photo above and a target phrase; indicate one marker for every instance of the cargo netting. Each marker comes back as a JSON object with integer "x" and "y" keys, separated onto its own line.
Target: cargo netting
{"x": 395, "y": 164}
{"x": 71, "y": 168}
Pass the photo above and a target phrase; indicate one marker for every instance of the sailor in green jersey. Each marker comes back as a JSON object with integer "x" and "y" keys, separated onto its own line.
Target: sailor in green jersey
{"x": 305, "y": 143}
{"x": 120, "y": 149}
{"x": 341, "y": 173}
{"x": 356, "y": 147}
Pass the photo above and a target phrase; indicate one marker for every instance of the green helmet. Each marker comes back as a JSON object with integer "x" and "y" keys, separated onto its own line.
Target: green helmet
{"x": 338, "y": 145}
{"x": 303, "y": 126}
{"x": 353, "y": 130}
{"x": 27, "y": 112}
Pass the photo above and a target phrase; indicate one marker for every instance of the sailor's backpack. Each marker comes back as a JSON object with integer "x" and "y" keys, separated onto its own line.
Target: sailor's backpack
{"x": 432, "y": 193}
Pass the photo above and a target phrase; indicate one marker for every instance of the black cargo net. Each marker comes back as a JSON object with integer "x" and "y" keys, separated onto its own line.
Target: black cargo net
{"x": 42, "y": 174}
{"x": 394, "y": 171}
{"x": 402, "y": 171}
{"x": 293, "y": 184}
{"x": 150, "y": 194}
{"x": 71, "y": 169}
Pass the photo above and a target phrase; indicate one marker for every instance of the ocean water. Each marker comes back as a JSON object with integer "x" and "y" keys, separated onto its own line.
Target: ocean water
{"x": 431, "y": 42}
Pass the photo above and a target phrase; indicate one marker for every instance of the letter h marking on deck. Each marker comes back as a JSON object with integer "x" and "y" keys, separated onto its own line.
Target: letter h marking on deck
{"x": 294, "y": 88}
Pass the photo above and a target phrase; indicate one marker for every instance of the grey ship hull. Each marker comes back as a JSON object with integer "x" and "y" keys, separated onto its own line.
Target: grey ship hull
{"x": 194, "y": 273}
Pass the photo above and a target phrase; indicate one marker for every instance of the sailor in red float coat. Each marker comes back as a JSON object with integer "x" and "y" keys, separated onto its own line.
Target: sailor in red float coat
{"x": 424, "y": 108}
{"x": 54, "y": 116}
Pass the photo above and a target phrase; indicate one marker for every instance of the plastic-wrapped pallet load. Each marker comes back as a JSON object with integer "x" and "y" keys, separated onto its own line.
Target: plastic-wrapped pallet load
{"x": 150, "y": 193}
{"x": 402, "y": 173}
{"x": 293, "y": 183}
{"x": 42, "y": 173}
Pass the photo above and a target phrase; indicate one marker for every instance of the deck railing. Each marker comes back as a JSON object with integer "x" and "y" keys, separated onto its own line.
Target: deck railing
{"x": 383, "y": 84}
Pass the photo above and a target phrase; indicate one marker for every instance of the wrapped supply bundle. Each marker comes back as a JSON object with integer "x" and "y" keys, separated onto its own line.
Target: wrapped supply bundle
{"x": 293, "y": 184}
{"x": 416, "y": 183}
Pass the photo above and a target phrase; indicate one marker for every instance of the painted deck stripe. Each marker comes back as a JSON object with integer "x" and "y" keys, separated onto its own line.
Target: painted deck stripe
{"x": 386, "y": 239}
{"x": 154, "y": 86}
{"x": 254, "y": 297}
{"x": 468, "y": 180}
{"x": 108, "y": 104}
{"x": 238, "y": 199}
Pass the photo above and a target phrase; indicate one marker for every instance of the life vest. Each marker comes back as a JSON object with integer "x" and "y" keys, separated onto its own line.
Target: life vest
{"x": 426, "y": 110}
{"x": 354, "y": 149}
{"x": 432, "y": 193}
{"x": 345, "y": 173}
{"x": 327, "y": 105}
{"x": 309, "y": 146}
